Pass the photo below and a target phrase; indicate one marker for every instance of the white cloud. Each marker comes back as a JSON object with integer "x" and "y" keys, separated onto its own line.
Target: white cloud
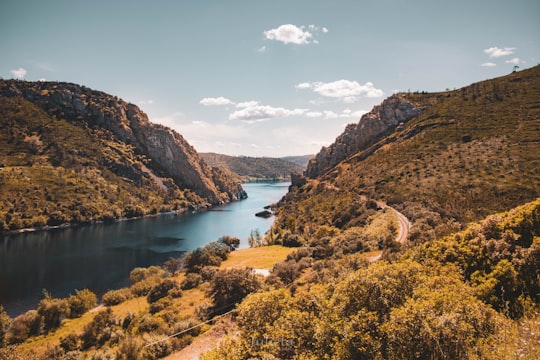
{"x": 262, "y": 49}
{"x": 348, "y": 113}
{"x": 146, "y": 102}
{"x": 42, "y": 80}
{"x": 314, "y": 114}
{"x": 324, "y": 30}
{"x": 330, "y": 114}
{"x": 488, "y": 64}
{"x": 346, "y": 90}
{"x": 263, "y": 112}
{"x": 19, "y": 73}
{"x": 246, "y": 104}
{"x": 514, "y": 61}
{"x": 289, "y": 34}
{"x": 219, "y": 101}
{"x": 304, "y": 85}
{"x": 495, "y": 52}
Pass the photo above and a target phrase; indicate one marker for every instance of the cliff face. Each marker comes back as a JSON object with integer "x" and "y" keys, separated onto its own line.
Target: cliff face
{"x": 382, "y": 120}
{"x": 170, "y": 154}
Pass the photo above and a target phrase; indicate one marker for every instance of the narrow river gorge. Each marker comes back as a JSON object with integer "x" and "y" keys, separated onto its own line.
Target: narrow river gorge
{"x": 100, "y": 256}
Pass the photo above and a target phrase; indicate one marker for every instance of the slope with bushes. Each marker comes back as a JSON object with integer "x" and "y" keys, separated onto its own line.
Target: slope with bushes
{"x": 69, "y": 154}
{"x": 254, "y": 168}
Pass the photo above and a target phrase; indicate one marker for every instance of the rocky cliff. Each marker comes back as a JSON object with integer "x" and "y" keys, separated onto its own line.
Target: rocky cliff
{"x": 382, "y": 120}
{"x": 169, "y": 153}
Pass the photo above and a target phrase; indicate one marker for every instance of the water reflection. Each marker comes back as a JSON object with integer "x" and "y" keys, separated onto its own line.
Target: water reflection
{"x": 101, "y": 256}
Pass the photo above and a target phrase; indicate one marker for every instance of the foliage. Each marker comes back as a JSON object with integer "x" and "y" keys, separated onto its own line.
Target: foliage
{"x": 251, "y": 168}
{"x": 191, "y": 281}
{"x": 5, "y": 322}
{"x": 57, "y": 171}
{"x": 255, "y": 239}
{"x": 499, "y": 256}
{"x": 161, "y": 290}
{"x": 229, "y": 287}
{"x": 52, "y": 311}
{"x": 115, "y": 297}
{"x": 81, "y": 302}
{"x": 98, "y": 331}
{"x": 211, "y": 254}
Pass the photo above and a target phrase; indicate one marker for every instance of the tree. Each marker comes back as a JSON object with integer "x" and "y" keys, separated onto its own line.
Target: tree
{"x": 81, "y": 302}
{"x": 173, "y": 265}
{"x": 52, "y": 311}
{"x": 5, "y": 322}
{"x": 255, "y": 239}
{"x": 229, "y": 287}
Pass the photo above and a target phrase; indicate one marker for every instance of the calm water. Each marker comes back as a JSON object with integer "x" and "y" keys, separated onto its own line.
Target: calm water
{"x": 100, "y": 257}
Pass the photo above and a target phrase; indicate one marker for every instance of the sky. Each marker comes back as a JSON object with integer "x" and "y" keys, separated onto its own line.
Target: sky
{"x": 265, "y": 78}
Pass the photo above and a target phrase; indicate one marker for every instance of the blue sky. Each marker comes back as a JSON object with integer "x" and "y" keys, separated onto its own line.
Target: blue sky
{"x": 265, "y": 78}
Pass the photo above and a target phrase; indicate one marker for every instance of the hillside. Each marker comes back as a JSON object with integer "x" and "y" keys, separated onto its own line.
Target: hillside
{"x": 254, "y": 168}
{"x": 69, "y": 154}
{"x": 443, "y": 159}
{"x": 301, "y": 160}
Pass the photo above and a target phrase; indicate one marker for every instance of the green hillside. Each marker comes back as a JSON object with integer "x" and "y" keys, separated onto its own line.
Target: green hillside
{"x": 470, "y": 153}
{"x": 254, "y": 168}
{"x": 54, "y": 172}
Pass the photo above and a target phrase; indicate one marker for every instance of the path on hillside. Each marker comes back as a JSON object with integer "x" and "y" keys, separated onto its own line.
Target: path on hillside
{"x": 404, "y": 226}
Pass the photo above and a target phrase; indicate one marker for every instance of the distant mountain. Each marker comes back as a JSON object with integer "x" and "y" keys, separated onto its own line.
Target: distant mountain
{"x": 254, "y": 168}
{"x": 301, "y": 160}
{"x": 444, "y": 159}
{"x": 69, "y": 154}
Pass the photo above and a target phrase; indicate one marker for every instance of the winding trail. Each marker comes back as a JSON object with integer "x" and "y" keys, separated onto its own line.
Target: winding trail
{"x": 404, "y": 227}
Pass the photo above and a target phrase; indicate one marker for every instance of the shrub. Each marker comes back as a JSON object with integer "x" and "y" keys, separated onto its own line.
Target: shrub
{"x": 115, "y": 297}
{"x": 5, "y": 322}
{"x": 191, "y": 281}
{"x": 81, "y": 302}
{"x": 52, "y": 311}
{"x": 161, "y": 290}
{"x": 172, "y": 266}
{"x": 70, "y": 342}
{"x": 24, "y": 326}
{"x": 229, "y": 287}
{"x": 95, "y": 333}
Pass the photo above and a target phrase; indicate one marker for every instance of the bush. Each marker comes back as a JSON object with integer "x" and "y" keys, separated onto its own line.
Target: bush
{"x": 191, "y": 281}
{"x": 5, "y": 322}
{"x": 172, "y": 266}
{"x": 70, "y": 342}
{"x": 81, "y": 302}
{"x": 24, "y": 326}
{"x": 52, "y": 311}
{"x": 115, "y": 297}
{"x": 95, "y": 333}
{"x": 161, "y": 290}
{"x": 229, "y": 287}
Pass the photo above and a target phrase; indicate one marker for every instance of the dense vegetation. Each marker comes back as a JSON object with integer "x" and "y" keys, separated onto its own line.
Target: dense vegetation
{"x": 471, "y": 152}
{"x": 465, "y": 286}
{"x": 254, "y": 168}
{"x": 54, "y": 172}
{"x": 454, "y": 298}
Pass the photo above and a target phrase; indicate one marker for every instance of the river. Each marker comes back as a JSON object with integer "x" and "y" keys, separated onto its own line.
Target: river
{"x": 100, "y": 256}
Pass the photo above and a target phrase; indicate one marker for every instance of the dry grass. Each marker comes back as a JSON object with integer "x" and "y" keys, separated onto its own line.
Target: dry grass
{"x": 258, "y": 258}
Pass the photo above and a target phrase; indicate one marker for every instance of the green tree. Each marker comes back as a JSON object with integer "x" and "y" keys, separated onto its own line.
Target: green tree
{"x": 81, "y": 302}
{"x": 229, "y": 287}
{"x": 5, "y": 322}
{"x": 52, "y": 311}
{"x": 255, "y": 239}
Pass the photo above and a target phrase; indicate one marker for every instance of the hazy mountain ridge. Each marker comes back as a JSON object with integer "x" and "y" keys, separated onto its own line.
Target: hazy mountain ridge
{"x": 56, "y": 126}
{"x": 254, "y": 168}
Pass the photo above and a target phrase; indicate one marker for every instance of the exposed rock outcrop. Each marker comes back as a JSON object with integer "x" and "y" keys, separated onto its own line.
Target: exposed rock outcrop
{"x": 374, "y": 125}
{"x": 172, "y": 156}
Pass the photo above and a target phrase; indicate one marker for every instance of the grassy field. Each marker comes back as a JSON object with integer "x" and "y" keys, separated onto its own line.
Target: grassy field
{"x": 258, "y": 258}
